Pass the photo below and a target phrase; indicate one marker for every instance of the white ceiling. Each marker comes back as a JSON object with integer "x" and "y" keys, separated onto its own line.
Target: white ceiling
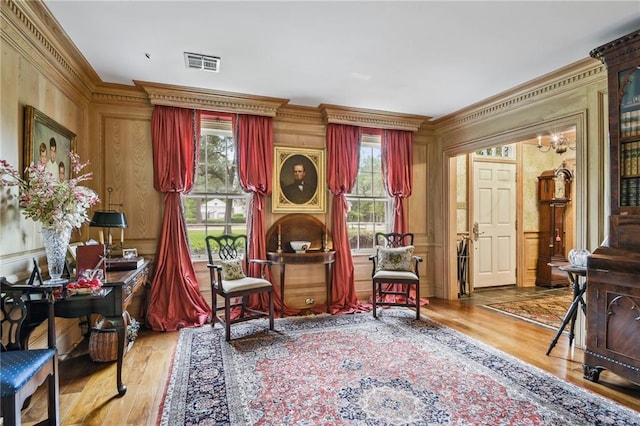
{"x": 421, "y": 57}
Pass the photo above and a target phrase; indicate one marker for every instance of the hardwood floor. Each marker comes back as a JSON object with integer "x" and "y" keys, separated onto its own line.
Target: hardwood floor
{"x": 88, "y": 393}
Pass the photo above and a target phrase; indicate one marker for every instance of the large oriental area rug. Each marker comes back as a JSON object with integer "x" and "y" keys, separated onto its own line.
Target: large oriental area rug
{"x": 354, "y": 369}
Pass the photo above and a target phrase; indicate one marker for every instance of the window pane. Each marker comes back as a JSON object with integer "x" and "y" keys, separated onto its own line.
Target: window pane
{"x": 217, "y": 205}
{"x": 378, "y": 186}
{"x": 368, "y": 202}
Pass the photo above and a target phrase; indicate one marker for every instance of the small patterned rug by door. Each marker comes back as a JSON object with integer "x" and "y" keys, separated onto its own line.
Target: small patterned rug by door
{"x": 357, "y": 370}
{"x": 546, "y": 311}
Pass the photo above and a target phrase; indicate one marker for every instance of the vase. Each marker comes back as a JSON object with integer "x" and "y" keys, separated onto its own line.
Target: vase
{"x": 55, "y": 246}
{"x": 579, "y": 257}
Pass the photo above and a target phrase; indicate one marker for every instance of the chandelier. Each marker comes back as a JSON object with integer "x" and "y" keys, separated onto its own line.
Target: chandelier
{"x": 558, "y": 142}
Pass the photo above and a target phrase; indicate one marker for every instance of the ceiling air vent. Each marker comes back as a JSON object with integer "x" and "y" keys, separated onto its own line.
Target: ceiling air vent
{"x": 202, "y": 62}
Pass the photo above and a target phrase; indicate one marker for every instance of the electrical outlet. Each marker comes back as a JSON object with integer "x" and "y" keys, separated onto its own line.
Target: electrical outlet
{"x": 309, "y": 301}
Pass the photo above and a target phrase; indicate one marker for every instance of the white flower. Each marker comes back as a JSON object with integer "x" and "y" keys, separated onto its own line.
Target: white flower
{"x": 60, "y": 205}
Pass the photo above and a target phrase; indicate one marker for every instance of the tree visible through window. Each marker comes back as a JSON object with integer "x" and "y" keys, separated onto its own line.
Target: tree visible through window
{"x": 368, "y": 204}
{"x": 217, "y": 204}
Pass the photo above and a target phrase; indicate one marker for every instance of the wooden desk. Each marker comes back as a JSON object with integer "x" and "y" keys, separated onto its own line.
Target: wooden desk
{"x": 327, "y": 258}
{"x": 117, "y": 293}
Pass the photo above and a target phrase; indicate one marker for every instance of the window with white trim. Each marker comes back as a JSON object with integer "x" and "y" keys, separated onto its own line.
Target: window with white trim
{"x": 217, "y": 204}
{"x": 369, "y": 208}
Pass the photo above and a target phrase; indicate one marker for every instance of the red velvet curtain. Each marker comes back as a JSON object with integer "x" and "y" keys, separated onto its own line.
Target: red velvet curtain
{"x": 343, "y": 153}
{"x": 176, "y": 301}
{"x": 397, "y": 175}
{"x": 254, "y": 138}
{"x": 397, "y": 172}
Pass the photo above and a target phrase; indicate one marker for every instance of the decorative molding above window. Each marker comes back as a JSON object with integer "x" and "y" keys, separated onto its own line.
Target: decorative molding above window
{"x": 371, "y": 118}
{"x": 210, "y": 100}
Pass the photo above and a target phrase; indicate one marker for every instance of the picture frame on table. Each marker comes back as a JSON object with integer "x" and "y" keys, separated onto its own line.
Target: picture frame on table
{"x": 72, "y": 253}
{"x": 129, "y": 253}
{"x": 299, "y": 183}
{"x": 47, "y": 141}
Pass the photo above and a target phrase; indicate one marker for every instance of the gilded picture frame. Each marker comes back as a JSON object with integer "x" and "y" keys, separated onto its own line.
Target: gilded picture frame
{"x": 42, "y": 131}
{"x": 299, "y": 183}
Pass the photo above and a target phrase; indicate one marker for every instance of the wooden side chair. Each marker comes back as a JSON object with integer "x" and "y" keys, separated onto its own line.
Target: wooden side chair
{"x": 228, "y": 270}
{"x": 24, "y": 370}
{"x": 395, "y": 271}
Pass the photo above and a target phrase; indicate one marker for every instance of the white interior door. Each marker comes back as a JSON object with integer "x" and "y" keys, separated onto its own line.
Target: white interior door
{"x": 494, "y": 228}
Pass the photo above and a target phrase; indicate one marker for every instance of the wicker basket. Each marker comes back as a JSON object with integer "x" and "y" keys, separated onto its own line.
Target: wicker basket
{"x": 103, "y": 341}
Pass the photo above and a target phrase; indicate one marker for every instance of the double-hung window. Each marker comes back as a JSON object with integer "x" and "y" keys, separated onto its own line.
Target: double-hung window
{"x": 217, "y": 204}
{"x": 369, "y": 206}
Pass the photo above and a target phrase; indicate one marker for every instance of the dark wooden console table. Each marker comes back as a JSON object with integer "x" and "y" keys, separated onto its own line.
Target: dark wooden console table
{"x": 116, "y": 295}
{"x": 328, "y": 258}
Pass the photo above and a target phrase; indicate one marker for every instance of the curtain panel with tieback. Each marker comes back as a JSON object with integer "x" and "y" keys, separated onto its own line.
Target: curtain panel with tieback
{"x": 254, "y": 139}
{"x": 175, "y": 301}
{"x": 397, "y": 172}
{"x": 343, "y": 157}
{"x": 397, "y": 176}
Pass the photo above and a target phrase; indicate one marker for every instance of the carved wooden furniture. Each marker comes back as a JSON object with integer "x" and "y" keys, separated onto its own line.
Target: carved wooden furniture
{"x": 613, "y": 293}
{"x": 224, "y": 251}
{"x": 327, "y": 258}
{"x": 613, "y": 314}
{"x": 23, "y": 370}
{"x": 395, "y": 272}
{"x": 553, "y": 197}
{"x": 296, "y": 227}
{"x": 118, "y": 290}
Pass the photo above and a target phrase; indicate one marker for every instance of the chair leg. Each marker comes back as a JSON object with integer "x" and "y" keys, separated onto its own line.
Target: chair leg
{"x": 418, "y": 301}
{"x": 374, "y": 296}
{"x": 227, "y": 318}
{"x": 243, "y": 306}
{"x": 214, "y": 299}
{"x": 54, "y": 395}
{"x": 11, "y": 410}
{"x": 271, "y": 310}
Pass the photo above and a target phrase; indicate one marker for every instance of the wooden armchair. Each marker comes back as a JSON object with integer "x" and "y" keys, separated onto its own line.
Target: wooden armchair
{"x": 395, "y": 272}
{"x": 228, "y": 264}
{"x": 24, "y": 370}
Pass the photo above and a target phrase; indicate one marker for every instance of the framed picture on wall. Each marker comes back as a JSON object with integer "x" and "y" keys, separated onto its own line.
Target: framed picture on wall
{"x": 48, "y": 142}
{"x": 299, "y": 183}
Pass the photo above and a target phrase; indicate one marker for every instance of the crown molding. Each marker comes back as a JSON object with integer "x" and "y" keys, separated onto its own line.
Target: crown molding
{"x": 30, "y": 27}
{"x": 619, "y": 48}
{"x": 111, "y": 93}
{"x": 580, "y": 73}
{"x": 335, "y": 114}
{"x": 210, "y": 100}
{"x": 298, "y": 113}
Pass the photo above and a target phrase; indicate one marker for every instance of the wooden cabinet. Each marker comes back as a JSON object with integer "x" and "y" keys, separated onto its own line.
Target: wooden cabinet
{"x": 622, "y": 58}
{"x": 553, "y": 193}
{"x": 613, "y": 287}
{"x": 613, "y": 307}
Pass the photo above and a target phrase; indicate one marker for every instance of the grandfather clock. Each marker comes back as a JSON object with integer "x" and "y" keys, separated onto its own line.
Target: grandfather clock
{"x": 554, "y": 188}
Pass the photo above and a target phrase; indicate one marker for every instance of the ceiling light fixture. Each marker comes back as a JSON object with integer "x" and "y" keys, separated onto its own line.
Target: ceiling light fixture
{"x": 558, "y": 142}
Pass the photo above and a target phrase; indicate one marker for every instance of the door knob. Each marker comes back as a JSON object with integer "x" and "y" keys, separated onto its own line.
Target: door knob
{"x": 476, "y": 231}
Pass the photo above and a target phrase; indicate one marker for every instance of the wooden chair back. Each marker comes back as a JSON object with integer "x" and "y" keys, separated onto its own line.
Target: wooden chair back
{"x": 228, "y": 247}
{"x": 24, "y": 370}
{"x": 393, "y": 239}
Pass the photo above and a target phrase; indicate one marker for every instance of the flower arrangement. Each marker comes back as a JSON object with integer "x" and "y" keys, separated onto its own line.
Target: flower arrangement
{"x": 58, "y": 205}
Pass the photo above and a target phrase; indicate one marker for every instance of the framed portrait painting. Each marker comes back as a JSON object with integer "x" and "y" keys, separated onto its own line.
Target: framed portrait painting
{"x": 299, "y": 180}
{"x": 48, "y": 142}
